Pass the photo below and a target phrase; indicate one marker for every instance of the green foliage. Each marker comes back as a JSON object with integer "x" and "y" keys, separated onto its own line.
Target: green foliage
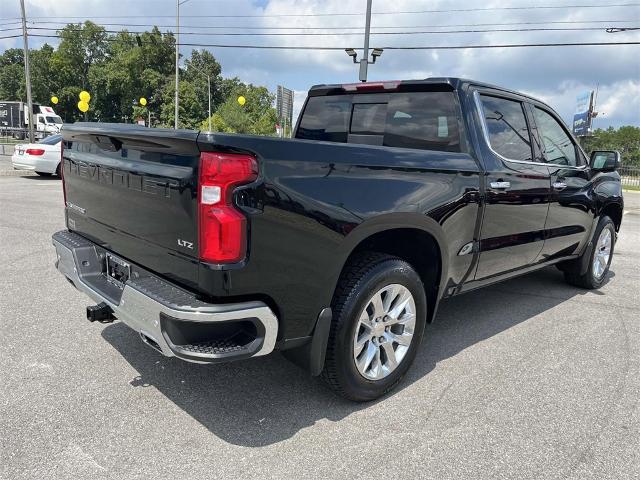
{"x": 119, "y": 69}
{"x": 257, "y": 116}
{"x": 624, "y": 139}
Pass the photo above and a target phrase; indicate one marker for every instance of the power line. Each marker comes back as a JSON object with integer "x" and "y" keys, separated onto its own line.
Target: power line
{"x": 227, "y": 27}
{"x": 323, "y": 34}
{"x": 411, "y": 12}
{"x": 442, "y": 47}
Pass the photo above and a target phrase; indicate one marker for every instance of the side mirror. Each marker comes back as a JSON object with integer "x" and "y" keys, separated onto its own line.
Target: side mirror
{"x": 605, "y": 160}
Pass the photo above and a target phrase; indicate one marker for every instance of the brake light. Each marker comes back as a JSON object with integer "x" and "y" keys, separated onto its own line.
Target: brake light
{"x": 222, "y": 228}
{"x": 371, "y": 86}
{"x": 34, "y": 151}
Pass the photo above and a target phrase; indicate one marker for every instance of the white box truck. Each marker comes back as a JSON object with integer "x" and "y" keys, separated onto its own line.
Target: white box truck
{"x": 14, "y": 120}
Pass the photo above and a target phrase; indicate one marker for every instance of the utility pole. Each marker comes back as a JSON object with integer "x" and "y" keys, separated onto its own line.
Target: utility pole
{"x": 27, "y": 73}
{"x": 209, "y": 85}
{"x": 364, "y": 61}
{"x": 177, "y": 61}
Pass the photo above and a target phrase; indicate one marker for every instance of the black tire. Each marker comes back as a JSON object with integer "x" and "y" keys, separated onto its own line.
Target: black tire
{"x": 589, "y": 279}
{"x": 44, "y": 174}
{"x": 364, "y": 276}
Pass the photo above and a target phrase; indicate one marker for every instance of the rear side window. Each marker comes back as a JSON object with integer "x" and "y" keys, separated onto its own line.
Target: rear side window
{"x": 420, "y": 120}
{"x": 507, "y": 128}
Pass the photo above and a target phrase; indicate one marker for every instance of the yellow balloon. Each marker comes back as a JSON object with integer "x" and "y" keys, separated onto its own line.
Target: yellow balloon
{"x": 242, "y": 100}
{"x": 83, "y": 106}
{"x": 143, "y": 101}
{"x": 54, "y": 100}
{"x": 84, "y": 96}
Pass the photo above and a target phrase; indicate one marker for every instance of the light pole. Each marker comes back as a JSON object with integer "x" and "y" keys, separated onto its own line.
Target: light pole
{"x": 375, "y": 53}
{"x": 27, "y": 73}
{"x": 178, "y": 3}
{"x": 364, "y": 61}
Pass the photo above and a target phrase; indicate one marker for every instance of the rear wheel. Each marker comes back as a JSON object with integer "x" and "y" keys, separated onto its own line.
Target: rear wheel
{"x": 379, "y": 317}
{"x": 599, "y": 258}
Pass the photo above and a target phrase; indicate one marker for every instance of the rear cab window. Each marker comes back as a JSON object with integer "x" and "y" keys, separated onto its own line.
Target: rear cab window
{"x": 418, "y": 120}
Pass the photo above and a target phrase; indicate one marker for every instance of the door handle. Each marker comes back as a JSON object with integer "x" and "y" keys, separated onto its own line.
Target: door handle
{"x": 559, "y": 185}
{"x": 500, "y": 185}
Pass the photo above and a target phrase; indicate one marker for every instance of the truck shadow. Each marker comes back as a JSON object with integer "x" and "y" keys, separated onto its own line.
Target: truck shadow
{"x": 266, "y": 400}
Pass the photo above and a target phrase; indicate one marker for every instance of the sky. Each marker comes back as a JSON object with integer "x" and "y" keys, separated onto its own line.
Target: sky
{"x": 556, "y": 75}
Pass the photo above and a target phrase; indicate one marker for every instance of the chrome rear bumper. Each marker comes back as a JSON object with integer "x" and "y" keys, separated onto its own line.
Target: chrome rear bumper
{"x": 168, "y": 318}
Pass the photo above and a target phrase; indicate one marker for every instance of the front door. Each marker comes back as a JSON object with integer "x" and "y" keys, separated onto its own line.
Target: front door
{"x": 517, "y": 188}
{"x": 570, "y": 215}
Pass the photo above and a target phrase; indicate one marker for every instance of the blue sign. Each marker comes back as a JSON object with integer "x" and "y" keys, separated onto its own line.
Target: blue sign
{"x": 582, "y": 116}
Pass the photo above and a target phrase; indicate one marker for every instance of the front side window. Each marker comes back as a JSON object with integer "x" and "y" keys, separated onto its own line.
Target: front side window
{"x": 558, "y": 147}
{"x": 507, "y": 128}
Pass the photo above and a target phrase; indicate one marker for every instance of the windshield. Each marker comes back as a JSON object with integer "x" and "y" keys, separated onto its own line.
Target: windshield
{"x": 56, "y": 120}
{"x": 52, "y": 140}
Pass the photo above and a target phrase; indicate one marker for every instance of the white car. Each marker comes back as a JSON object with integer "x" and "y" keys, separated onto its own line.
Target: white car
{"x": 43, "y": 157}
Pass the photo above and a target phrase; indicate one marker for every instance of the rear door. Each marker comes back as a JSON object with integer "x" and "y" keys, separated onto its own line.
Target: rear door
{"x": 517, "y": 187}
{"x": 570, "y": 217}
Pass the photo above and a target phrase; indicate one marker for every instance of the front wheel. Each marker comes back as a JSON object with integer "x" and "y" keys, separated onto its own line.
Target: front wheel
{"x": 599, "y": 260}
{"x": 379, "y": 312}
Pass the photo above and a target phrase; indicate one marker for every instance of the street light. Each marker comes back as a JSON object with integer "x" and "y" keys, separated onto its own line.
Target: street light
{"x": 375, "y": 53}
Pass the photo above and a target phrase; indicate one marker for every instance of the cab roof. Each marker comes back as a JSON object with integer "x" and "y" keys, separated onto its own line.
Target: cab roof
{"x": 434, "y": 83}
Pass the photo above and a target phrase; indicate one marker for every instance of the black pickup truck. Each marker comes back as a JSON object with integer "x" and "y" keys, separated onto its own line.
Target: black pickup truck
{"x": 334, "y": 247}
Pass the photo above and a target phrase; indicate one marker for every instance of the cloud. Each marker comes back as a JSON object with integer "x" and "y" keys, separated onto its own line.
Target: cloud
{"x": 554, "y": 74}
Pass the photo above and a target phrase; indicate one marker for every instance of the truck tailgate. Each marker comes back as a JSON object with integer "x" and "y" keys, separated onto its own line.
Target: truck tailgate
{"x": 133, "y": 190}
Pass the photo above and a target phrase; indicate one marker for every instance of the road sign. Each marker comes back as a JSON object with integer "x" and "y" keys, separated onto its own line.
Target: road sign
{"x": 284, "y": 107}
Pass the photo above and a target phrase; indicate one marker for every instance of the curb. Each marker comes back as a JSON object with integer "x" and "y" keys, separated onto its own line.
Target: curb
{"x": 6, "y": 149}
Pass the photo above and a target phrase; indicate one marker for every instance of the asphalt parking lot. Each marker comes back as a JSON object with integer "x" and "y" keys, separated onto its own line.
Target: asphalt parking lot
{"x": 527, "y": 379}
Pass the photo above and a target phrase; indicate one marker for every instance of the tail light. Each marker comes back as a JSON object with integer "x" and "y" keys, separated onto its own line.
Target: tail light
{"x": 34, "y": 151}
{"x": 222, "y": 228}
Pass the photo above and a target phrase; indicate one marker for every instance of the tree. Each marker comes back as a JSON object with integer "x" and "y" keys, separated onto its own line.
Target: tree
{"x": 118, "y": 69}
{"x": 196, "y": 69}
{"x": 81, "y": 47}
{"x": 625, "y": 139}
{"x": 257, "y": 116}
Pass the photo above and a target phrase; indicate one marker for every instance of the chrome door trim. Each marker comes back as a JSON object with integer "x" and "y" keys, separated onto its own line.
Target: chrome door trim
{"x": 485, "y": 134}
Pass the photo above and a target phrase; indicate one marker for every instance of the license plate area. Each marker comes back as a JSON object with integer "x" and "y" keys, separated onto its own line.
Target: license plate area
{"x": 117, "y": 270}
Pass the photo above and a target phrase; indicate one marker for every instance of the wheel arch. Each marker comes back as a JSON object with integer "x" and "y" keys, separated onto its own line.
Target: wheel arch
{"x": 613, "y": 210}
{"x": 413, "y": 237}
